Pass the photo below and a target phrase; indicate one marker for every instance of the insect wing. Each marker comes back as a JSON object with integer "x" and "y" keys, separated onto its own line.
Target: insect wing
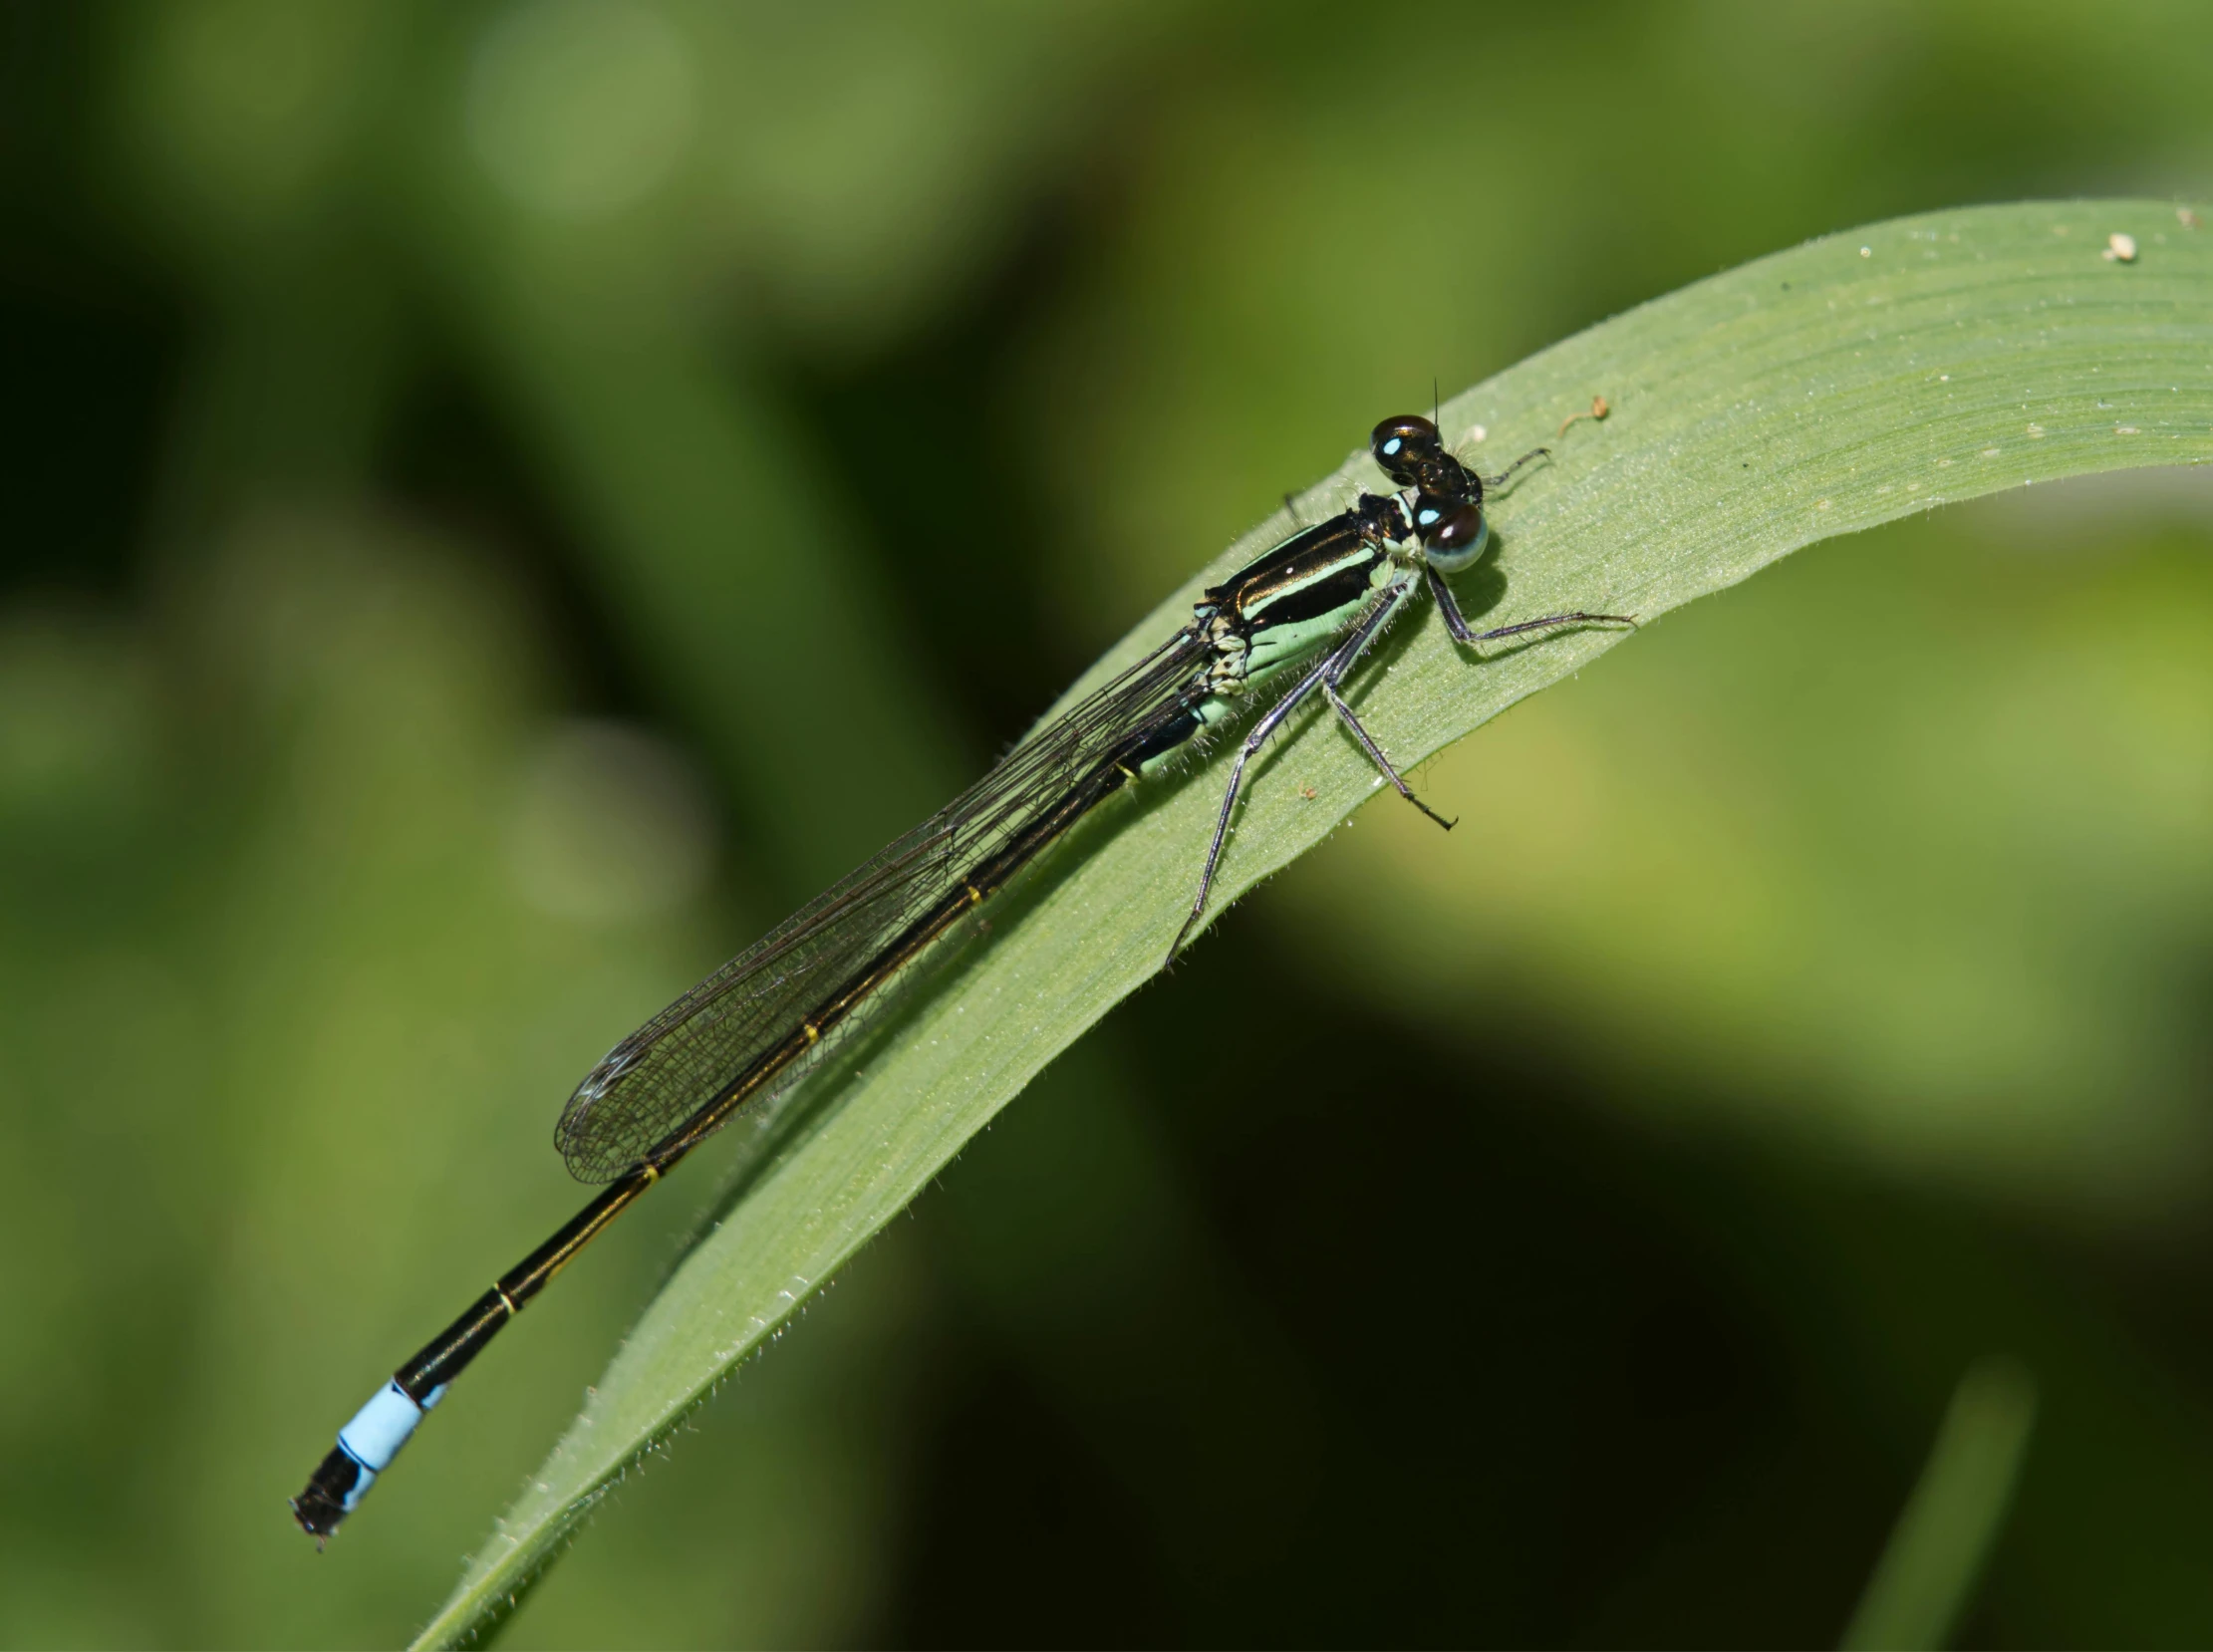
{"x": 651, "y": 1083}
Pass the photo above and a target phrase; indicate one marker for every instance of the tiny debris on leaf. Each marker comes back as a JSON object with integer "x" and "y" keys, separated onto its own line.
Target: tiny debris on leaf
{"x": 1600, "y": 408}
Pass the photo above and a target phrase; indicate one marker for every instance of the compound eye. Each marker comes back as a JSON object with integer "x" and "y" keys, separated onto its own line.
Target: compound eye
{"x": 1403, "y": 443}
{"x": 1458, "y": 538}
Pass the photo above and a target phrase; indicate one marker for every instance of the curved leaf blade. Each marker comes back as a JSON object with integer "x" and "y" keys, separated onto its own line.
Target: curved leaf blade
{"x": 1812, "y": 394}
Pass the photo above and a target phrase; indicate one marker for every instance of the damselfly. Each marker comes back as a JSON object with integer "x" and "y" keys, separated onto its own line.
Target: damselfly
{"x": 1304, "y": 613}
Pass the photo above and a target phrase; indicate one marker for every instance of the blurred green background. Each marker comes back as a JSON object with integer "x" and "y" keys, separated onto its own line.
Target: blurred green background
{"x": 506, "y": 499}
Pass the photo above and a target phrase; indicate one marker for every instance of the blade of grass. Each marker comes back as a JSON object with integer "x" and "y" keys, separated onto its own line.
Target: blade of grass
{"x": 1812, "y": 394}
{"x": 1934, "y": 1559}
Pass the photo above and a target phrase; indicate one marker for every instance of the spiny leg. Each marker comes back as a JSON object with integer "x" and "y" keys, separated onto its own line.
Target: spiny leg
{"x": 1457, "y": 623}
{"x": 1253, "y": 743}
{"x": 1375, "y": 754}
{"x": 1492, "y": 485}
{"x": 1330, "y": 671}
{"x": 1577, "y": 618}
{"x": 1334, "y": 670}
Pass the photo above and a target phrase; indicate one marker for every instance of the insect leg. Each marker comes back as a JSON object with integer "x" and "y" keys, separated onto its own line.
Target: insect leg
{"x": 1491, "y": 484}
{"x": 1457, "y": 623}
{"x": 1253, "y": 743}
{"x": 1333, "y": 673}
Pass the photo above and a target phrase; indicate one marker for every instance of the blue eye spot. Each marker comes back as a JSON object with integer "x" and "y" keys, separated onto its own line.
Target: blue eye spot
{"x": 1393, "y": 446}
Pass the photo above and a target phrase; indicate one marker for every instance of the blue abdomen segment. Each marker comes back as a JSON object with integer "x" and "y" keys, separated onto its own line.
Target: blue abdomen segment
{"x": 366, "y": 1447}
{"x": 374, "y": 1438}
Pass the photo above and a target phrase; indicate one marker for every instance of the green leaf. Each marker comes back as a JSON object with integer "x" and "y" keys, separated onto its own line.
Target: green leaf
{"x": 1812, "y": 394}
{"x": 1926, "y": 1577}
